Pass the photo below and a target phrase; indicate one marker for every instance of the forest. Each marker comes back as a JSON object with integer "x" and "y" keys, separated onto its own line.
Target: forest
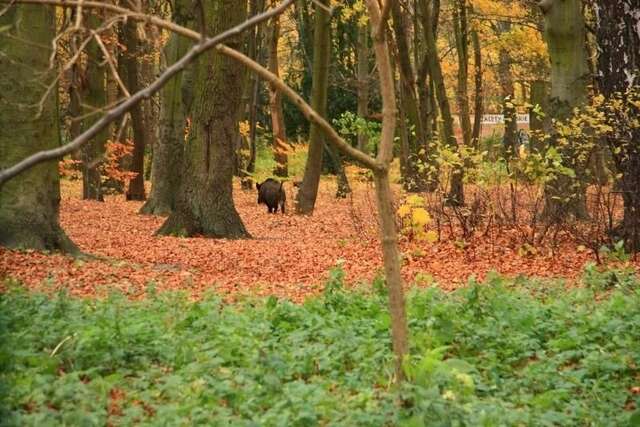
{"x": 320, "y": 212}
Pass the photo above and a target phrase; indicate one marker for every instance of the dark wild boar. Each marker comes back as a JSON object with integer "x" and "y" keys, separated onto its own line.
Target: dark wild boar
{"x": 271, "y": 193}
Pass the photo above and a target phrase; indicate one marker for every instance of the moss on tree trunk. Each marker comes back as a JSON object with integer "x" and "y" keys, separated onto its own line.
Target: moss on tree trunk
{"x": 205, "y": 200}
{"x": 565, "y": 37}
{"x": 168, "y": 151}
{"x": 29, "y": 203}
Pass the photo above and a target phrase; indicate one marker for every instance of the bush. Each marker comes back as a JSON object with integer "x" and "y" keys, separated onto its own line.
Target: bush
{"x": 507, "y": 352}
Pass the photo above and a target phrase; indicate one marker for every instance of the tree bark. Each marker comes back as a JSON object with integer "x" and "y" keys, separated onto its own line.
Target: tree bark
{"x": 539, "y": 98}
{"x": 205, "y": 201}
{"x": 455, "y": 197}
{"x": 416, "y": 177}
{"x": 94, "y": 96}
{"x": 308, "y": 192}
{"x": 384, "y": 196}
{"x": 136, "y": 185}
{"x": 478, "y": 107}
{"x": 509, "y": 112}
{"x": 280, "y": 146}
{"x": 461, "y": 32}
{"x": 363, "y": 82}
{"x": 29, "y": 203}
{"x": 618, "y": 39}
{"x": 564, "y": 34}
{"x": 168, "y": 149}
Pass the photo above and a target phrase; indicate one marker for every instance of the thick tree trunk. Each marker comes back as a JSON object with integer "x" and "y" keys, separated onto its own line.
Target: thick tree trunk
{"x": 205, "y": 201}
{"x": 363, "y": 82}
{"x": 455, "y": 196}
{"x": 29, "y": 203}
{"x": 306, "y": 198}
{"x": 136, "y": 185}
{"x": 538, "y": 122}
{"x": 564, "y": 34}
{"x": 618, "y": 38}
{"x": 168, "y": 151}
{"x": 280, "y": 146}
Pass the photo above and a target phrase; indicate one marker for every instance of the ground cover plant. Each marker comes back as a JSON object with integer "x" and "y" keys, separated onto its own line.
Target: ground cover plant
{"x": 504, "y": 352}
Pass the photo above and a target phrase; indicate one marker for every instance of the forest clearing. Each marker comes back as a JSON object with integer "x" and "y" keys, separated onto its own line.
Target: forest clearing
{"x": 320, "y": 213}
{"x": 289, "y": 256}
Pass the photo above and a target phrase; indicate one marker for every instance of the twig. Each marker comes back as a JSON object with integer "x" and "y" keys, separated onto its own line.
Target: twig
{"x": 112, "y": 66}
{"x": 145, "y": 93}
{"x": 55, "y": 350}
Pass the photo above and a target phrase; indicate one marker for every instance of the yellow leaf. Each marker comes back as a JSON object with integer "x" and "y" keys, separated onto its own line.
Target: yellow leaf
{"x": 431, "y": 236}
{"x": 420, "y": 217}
{"x": 404, "y": 210}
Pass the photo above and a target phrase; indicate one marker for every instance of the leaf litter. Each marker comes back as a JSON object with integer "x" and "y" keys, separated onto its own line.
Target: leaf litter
{"x": 288, "y": 256}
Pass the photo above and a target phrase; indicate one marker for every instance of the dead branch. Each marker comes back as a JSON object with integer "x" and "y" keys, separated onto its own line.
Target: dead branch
{"x": 145, "y": 93}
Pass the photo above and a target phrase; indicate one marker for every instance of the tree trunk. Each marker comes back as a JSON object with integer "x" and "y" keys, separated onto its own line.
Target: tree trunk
{"x": 29, "y": 203}
{"x": 478, "y": 108}
{"x": 414, "y": 179}
{"x": 455, "y": 196}
{"x": 205, "y": 201}
{"x": 337, "y": 167}
{"x": 280, "y": 146}
{"x": 618, "y": 39}
{"x": 538, "y": 122}
{"x": 564, "y": 34}
{"x": 363, "y": 82}
{"x": 461, "y": 33}
{"x": 509, "y": 138}
{"x": 94, "y": 97}
{"x": 136, "y": 185}
{"x": 306, "y": 198}
{"x": 168, "y": 150}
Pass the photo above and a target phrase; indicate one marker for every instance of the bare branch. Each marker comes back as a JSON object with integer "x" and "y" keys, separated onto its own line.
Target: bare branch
{"x": 112, "y": 65}
{"x": 145, "y": 93}
{"x": 130, "y": 14}
{"x": 305, "y": 108}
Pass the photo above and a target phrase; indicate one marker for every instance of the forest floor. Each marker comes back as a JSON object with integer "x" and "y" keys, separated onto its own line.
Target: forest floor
{"x": 289, "y": 255}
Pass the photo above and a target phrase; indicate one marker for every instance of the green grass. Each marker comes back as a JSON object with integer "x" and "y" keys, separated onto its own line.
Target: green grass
{"x": 507, "y": 352}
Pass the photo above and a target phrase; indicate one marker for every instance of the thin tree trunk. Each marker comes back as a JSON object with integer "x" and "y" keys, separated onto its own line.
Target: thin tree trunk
{"x": 461, "y": 33}
{"x": 384, "y": 197}
{"x": 93, "y": 96}
{"x": 280, "y": 146}
{"x": 30, "y": 202}
{"x": 478, "y": 107}
{"x": 136, "y": 185}
{"x": 509, "y": 112}
{"x": 308, "y": 192}
{"x": 205, "y": 201}
{"x": 363, "y": 82}
{"x": 416, "y": 163}
{"x": 455, "y": 197}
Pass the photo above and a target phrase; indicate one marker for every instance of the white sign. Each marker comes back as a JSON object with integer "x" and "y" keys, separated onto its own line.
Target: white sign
{"x": 496, "y": 119}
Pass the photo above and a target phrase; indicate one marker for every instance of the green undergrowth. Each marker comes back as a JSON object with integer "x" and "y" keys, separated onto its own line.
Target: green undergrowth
{"x": 506, "y": 352}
